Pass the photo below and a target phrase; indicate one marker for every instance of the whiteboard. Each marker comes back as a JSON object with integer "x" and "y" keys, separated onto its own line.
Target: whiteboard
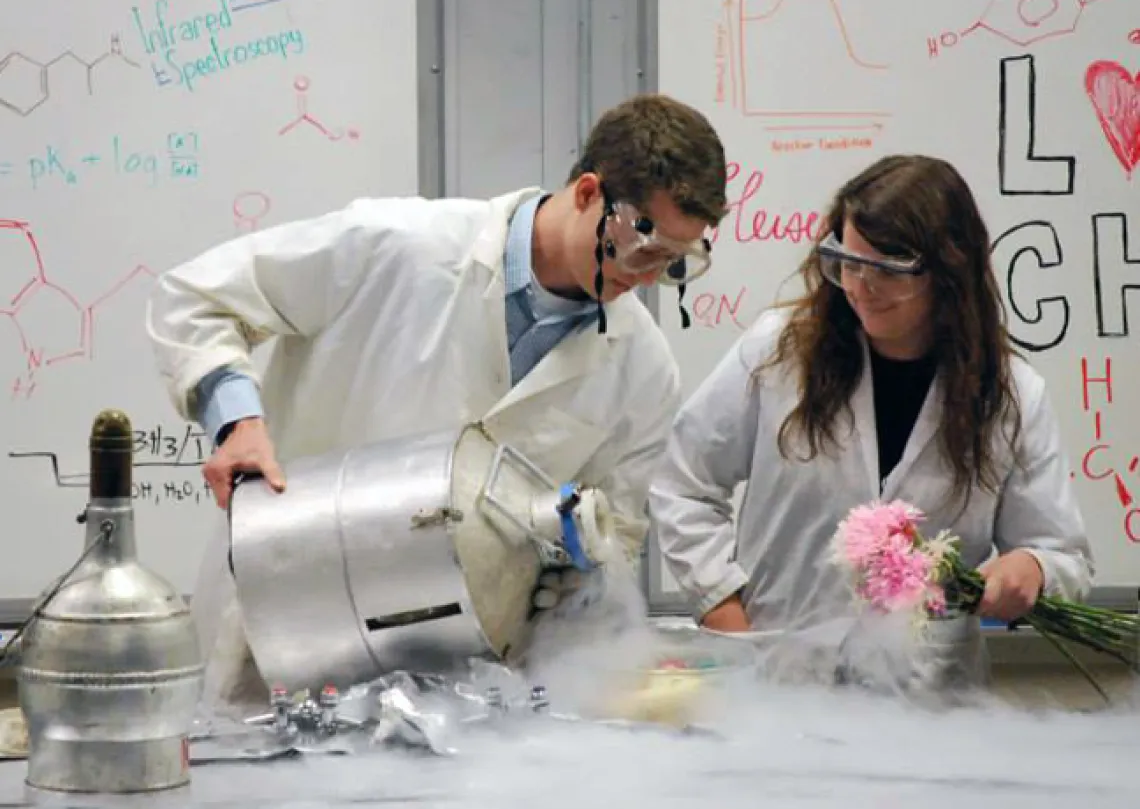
{"x": 133, "y": 137}
{"x": 805, "y": 93}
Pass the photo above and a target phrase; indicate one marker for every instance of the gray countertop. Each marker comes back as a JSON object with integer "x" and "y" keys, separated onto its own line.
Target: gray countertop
{"x": 778, "y": 746}
{"x": 785, "y": 749}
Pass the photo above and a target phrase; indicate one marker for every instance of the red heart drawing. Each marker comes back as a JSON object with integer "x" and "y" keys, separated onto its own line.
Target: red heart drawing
{"x": 1115, "y": 95}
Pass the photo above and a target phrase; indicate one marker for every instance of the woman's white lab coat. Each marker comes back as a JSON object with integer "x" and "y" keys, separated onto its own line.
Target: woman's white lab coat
{"x": 390, "y": 318}
{"x": 777, "y": 549}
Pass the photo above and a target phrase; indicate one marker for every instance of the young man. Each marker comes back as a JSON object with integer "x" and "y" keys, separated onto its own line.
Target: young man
{"x": 402, "y": 316}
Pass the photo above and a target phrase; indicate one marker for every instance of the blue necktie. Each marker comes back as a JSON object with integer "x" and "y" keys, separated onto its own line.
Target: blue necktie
{"x": 532, "y": 341}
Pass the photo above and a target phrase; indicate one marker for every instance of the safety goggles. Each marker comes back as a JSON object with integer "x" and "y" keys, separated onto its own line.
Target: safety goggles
{"x": 891, "y": 279}
{"x": 637, "y": 248}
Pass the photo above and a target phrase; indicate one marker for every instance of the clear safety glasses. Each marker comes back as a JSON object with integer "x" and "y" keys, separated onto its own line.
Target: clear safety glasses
{"x": 892, "y": 279}
{"x": 637, "y": 248}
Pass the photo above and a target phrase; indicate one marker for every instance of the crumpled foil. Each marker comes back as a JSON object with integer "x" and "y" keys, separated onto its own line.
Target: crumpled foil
{"x": 404, "y": 710}
{"x": 427, "y": 714}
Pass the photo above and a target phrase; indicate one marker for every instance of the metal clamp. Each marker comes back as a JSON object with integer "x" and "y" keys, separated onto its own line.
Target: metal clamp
{"x": 549, "y": 552}
{"x": 303, "y": 717}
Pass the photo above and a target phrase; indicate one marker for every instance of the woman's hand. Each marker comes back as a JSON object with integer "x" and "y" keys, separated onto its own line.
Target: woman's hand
{"x": 1013, "y": 583}
{"x": 727, "y": 616}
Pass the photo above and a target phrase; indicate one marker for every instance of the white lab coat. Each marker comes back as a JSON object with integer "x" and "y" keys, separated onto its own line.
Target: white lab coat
{"x": 776, "y": 551}
{"x": 390, "y": 319}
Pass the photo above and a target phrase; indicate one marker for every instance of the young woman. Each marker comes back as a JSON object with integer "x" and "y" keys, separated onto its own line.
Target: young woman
{"x": 892, "y": 377}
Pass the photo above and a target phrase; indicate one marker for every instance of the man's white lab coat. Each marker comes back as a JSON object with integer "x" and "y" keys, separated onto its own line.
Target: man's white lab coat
{"x": 390, "y": 319}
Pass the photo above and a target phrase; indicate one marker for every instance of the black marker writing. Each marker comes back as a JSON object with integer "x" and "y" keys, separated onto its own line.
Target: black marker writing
{"x": 1021, "y": 170}
{"x": 1116, "y": 272}
{"x": 1030, "y": 254}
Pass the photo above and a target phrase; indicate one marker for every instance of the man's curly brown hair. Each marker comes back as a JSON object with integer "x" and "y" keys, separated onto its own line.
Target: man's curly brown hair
{"x": 655, "y": 143}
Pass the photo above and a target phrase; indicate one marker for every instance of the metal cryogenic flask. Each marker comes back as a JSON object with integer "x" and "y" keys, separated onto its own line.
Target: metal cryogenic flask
{"x": 411, "y": 553}
{"x": 109, "y": 671}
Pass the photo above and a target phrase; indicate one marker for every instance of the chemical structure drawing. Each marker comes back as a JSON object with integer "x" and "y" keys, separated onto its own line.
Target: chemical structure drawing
{"x": 1097, "y": 464}
{"x": 25, "y": 83}
{"x": 1018, "y": 22}
{"x": 756, "y": 45}
{"x": 249, "y": 208}
{"x": 301, "y": 86}
{"x": 38, "y": 309}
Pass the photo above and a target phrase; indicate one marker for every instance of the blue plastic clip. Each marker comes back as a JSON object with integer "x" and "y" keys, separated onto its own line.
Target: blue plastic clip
{"x": 571, "y": 540}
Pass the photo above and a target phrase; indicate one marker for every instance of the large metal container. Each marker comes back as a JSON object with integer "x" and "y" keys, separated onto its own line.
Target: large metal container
{"x": 109, "y": 666}
{"x": 413, "y": 553}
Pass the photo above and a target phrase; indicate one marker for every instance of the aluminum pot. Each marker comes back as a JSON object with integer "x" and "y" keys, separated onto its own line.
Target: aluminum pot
{"x": 412, "y": 553}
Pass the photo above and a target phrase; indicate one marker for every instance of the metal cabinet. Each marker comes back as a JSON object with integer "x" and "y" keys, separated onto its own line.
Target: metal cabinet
{"x": 509, "y": 88}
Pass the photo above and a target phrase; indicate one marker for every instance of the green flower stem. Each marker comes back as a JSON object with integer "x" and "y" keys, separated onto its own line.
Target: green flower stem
{"x": 1076, "y": 663}
{"x": 1102, "y": 630}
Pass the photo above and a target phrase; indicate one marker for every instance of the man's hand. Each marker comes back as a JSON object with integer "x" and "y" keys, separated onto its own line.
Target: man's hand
{"x": 727, "y": 616}
{"x": 246, "y": 449}
{"x": 1013, "y": 584}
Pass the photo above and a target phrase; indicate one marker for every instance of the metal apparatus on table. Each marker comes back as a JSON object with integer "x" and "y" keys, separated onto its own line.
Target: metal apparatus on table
{"x": 407, "y": 554}
{"x": 109, "y": 666}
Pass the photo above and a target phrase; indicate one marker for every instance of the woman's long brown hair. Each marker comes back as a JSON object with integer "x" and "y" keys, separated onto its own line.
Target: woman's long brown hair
{"x": 906, "y": 206}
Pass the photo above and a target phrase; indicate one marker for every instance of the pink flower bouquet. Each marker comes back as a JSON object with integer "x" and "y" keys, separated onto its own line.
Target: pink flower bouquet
{"x": 896, "y": 569}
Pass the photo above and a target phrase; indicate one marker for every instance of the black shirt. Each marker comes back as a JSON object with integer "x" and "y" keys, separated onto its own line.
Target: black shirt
{"x": 900, "y": 389}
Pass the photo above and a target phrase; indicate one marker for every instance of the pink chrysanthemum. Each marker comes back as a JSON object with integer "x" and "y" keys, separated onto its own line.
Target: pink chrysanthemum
{"x": 866, "y": 528}
{"x": 896, "y": 577}
{"x": 893, "y": 569}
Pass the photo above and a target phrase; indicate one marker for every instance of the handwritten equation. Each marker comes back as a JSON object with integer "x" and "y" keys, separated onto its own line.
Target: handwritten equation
{"x": 189, "y": 49}
{"x": 190, "y": 491}
{"x": 163, "y": 446}
{"x": 1101, "y": 462}
{"x": 164, "y": 456}
{"x": 56, "y": 166}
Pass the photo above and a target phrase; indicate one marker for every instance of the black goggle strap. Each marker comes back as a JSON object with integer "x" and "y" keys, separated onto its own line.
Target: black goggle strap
{"x": 686, "y": 321}
{"x": 602, "y": 250}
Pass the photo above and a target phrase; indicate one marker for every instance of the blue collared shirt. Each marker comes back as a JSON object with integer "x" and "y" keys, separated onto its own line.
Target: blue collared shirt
{"x": 537, "y": 320}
